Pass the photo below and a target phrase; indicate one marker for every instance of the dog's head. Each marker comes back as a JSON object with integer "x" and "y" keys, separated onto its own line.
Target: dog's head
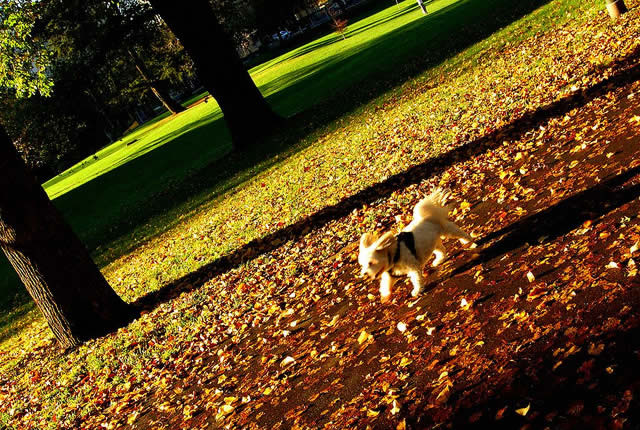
{"x": 374, "y": 256}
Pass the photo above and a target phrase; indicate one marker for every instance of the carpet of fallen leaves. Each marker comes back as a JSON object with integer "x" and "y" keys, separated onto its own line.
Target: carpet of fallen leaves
{"x": 534, "y": 327}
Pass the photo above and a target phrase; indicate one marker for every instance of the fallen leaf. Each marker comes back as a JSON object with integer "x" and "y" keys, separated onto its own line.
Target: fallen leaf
{"x": 530, "y": 276}
{"x": 523, "y": 411}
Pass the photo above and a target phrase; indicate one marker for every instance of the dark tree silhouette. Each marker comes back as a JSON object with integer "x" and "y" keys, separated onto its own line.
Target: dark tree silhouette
{"x": 158, "y": 87}
{"x": 220, "y": 70}
{"x": 53, "y": 264}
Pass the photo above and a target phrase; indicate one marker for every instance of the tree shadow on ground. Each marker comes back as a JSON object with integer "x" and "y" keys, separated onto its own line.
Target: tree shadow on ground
{"x": 588, "y": 390}
{"x": 629, "y": 71}
{"x": 557, "y": 220}
{"x": 228, "y": 170}
{"x": 396, "y": 14}
{"x": 322, "y": 38}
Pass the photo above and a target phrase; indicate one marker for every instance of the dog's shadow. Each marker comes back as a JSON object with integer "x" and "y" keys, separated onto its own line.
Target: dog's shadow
{"x": 552, "y": 222}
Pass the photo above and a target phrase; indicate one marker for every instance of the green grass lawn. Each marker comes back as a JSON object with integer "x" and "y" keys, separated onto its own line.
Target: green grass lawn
{"x": 144, "y": 182}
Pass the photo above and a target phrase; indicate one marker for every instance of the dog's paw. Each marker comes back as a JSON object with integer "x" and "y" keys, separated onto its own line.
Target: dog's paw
{"x": 416, "y": 292}
{"x": 385, "y": 293}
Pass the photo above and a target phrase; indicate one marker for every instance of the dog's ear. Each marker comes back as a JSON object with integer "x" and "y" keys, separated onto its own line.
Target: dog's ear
{"x": 366, "y": 240}
{"x": 385, "y": 241}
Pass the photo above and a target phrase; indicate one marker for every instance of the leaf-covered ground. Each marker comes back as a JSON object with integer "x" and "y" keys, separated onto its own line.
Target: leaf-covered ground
{"x": 536, "y": 327}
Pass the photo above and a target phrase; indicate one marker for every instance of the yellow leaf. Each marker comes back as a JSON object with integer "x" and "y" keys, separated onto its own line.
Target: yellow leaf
{"x": 444, "y": 395}
{"x": 395, "y": 409}
{"x": 405, "y": 362}
{"x": 530, "y": 276}
{"x": 364, "y": 336}
{"x": 287, "y": 361}
{"x": 223, "y": 411}
{"x": 132, "y": 417}
{"x": 523, "y": 411}
{"x": 187, "y": 411}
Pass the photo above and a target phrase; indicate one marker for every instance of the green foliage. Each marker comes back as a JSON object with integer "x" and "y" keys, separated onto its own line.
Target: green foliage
{"x": 24, "y": 58}
{"x": 92, "y": 84}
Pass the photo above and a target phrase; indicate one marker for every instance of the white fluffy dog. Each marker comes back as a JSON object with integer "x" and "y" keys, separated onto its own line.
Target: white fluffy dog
{"x": 405, "y": 254}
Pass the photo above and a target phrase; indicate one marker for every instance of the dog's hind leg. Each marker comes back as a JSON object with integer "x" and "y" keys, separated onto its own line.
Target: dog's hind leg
{"x": 440, "y": 252}
{"x": 451, "y": 230}
{"x": 386, "y": 284}
{"x": 417, "y": 281}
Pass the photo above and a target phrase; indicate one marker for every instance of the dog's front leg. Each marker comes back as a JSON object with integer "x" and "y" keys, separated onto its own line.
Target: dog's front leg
{"x": 417, "y": 281}
{"x": 386, "y": 284}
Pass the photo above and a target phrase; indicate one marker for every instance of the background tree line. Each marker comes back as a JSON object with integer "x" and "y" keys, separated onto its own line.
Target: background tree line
{"x": 102, "y": 66}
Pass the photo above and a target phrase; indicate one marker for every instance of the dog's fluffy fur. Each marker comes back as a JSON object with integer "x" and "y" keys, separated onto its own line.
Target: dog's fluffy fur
{"x": 429, "y": 225}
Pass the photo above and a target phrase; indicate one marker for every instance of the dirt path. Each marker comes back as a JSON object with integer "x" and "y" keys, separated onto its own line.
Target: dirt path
{"x": 536, "y": 327}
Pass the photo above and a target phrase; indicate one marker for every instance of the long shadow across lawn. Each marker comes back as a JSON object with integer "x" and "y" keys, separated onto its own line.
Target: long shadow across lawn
{"x": 457, "y": 17}
{"x": 323, "y": 38}
{"x": 629, "y": 71}
{"x": 588, "y": 391}
{"x": 112, "y": 225}
{"x": 330, "y": 40}
{"x": 556, "y": 220}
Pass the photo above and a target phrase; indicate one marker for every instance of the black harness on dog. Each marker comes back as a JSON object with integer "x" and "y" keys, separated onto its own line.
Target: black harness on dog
{"x": 407, "y": 238}
{"x": 409, "y": 241}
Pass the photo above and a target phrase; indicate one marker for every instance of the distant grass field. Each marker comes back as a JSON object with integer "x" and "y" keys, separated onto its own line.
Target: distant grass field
{"x": 141, "y": 184}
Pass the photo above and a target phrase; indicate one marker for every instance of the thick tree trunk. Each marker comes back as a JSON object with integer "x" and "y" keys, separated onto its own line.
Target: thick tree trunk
{"x": 220, "y": 70}
{"x": 616, "y": 8}
{"x": 158, "y": 89}
{"x": 53, "y": 264}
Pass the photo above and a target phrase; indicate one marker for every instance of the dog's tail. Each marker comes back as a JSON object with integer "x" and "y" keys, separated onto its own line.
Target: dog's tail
{"x": 433, "y": 207}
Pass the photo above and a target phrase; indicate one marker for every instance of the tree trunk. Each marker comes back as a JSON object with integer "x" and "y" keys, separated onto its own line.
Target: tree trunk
{"x": 220, "y": 70}
{"x": 159, "y": 89}
{"x": 53, "y": 264}
{"x": 616, "y": 8}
